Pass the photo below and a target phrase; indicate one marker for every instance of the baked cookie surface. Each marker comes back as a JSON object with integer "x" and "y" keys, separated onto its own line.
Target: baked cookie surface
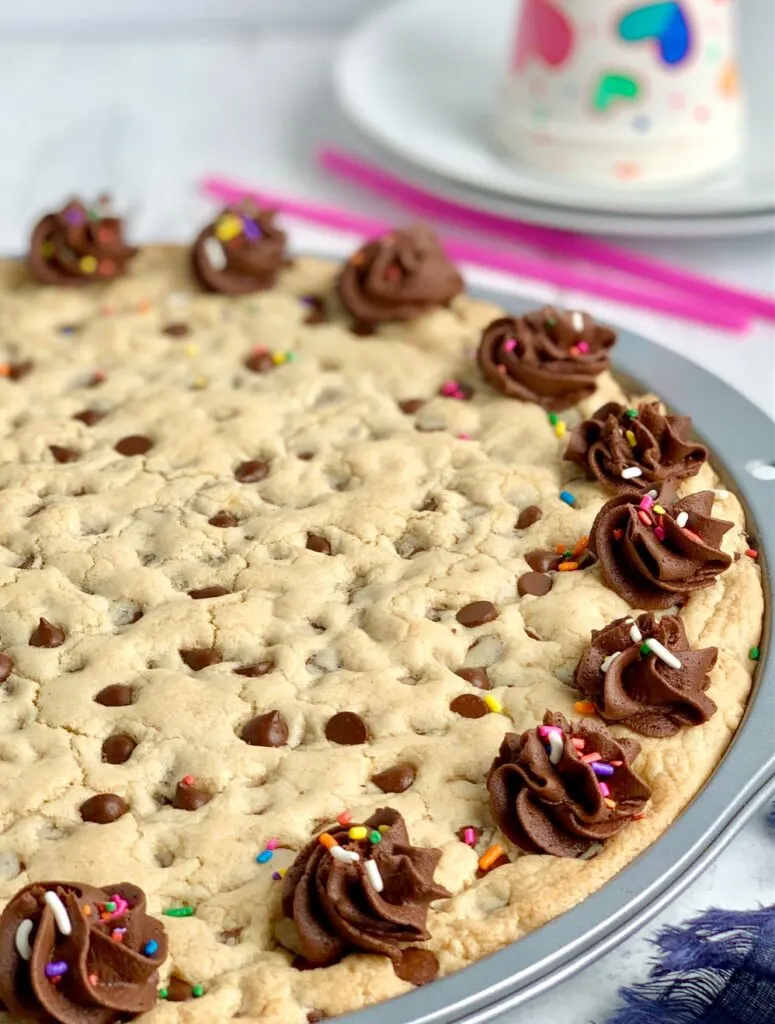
{"x": 317, "y": 522}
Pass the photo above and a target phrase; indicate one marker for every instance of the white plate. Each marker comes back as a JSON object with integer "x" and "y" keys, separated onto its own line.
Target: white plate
{"x": 588, "y": 222}
{"x": 421, "y": 78}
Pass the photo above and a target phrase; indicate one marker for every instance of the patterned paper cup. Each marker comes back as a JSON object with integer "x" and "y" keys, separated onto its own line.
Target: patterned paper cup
{"x": 624, "y": 92}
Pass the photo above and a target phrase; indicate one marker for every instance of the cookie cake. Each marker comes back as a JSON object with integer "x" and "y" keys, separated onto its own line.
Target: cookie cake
{"x": 350, "y": 628}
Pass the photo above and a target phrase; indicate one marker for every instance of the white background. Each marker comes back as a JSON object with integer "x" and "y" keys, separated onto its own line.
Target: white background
{"x": 143, "y": 96}
{"x": 72, "y": 15}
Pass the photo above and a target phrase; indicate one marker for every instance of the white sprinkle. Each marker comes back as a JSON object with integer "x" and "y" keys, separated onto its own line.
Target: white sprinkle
{"x": 178, "y": 299}
{"x": 591, "y": 852}
{"x": 662, "y": 653}
{"x": 214, "y": 253}
{"x": 577, "y": 319}
{"x": 635, "y": 634}
{"x": 61, "y": 916}
{"x": 682, "y": 519}
{"x": 631, "y": 472}
{"x": 372, "y": 872}
{"x": 556, "y": 745}
{"x": 23, "y": 932}
{"x": 344, "y": 856}
{"x": 652, "y": 494}
{"x": 721, "y": 494}
{"x": 606, "y": 664}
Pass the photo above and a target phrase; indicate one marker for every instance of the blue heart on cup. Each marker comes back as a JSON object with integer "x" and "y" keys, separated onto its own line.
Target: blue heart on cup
{"x": 666, "y": 23}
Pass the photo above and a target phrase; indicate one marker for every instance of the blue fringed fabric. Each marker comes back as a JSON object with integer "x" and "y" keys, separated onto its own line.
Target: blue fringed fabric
{"x": 716, "y": 969}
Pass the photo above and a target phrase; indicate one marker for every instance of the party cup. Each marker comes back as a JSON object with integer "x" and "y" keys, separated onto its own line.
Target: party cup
{"x": 622, "y": 92}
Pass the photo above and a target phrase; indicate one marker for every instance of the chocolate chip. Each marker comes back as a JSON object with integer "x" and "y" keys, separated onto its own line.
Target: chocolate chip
{"x": 411, "y": 405}
{"x": 103, "y": 808}
{"x": 64, "y": 454}
{"x": 204, "y": 592}
{"x": 18, "y": 370}
{"x": 117, "y": 695}
{"x": 315, "y": 1016}
{"x": 117, "y": 749}
{"x": 252, "y": 671}
{"x": 27, "y": 563}
{"x": 251, "y": 472}
{"x": 198, "y": 658}
{"x": 305, "y": 456}
{"x": 429, "y": 505}
{"x": 395, "y": 779}
{"x": 268, "y": 730}
{"x": 90, "y": 416}
{"x": 417, "y": 966}
{"x": 135, "y": 444}
{"x": 477, "y": 613}
{"x": 300, "y": 963}
{"x": 542, "y": 561}
{"x": 188, "y": 797}
{"x": 230, "y": 936}
{"x": 528, "y": 516}
{"x": 346, "y": 728}
{"x": 178, "y": 990}
{"x": 176, "y": 330}
{"x": 223, "y": 519}
{"x": 319, "y": 544}
{"x": 362, "y": 328}
{"x": 47, "y": 635}
{"x": 476, "y": 676}
{"x": 317, "y": 310}
{"x": 468, "y": 705}
{"x": 461, "y": 833}
{"x": 260, "y": 361}
{"x": 535, "y": 584}
{"x": 6, "y": 667}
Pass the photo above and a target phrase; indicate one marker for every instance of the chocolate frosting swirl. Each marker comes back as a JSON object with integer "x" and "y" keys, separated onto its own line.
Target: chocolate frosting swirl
{"x": 106, "y": 979}
{"x": 561, "y": 808}
{"x": 641, "y": 690}
{"x": 651, "y": 561}
{"x": 241, "y": 251}
{"x": 398, "y": 277}
{"x": 657, "y": 445}
{"x": 77, "y": 246}
{"x": 548, "y": 356}
{"x": 335, "y": 906}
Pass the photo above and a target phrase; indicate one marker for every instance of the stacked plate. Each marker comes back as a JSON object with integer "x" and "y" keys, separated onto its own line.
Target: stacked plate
{"x": 420, "y": 79}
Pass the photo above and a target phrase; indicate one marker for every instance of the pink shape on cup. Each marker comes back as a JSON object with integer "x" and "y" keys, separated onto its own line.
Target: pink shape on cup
{"x": 544, "y": 33}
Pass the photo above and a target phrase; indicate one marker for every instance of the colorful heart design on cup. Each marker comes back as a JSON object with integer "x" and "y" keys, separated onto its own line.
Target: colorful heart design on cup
{"x": 613, "y": 88}
{"x": 544, "y": 33}
{"x": 666, "y": 23}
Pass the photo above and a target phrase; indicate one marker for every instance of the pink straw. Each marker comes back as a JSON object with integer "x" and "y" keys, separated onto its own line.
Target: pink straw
{"x": 493, "y": 259}
{"x": 565, "y": 243}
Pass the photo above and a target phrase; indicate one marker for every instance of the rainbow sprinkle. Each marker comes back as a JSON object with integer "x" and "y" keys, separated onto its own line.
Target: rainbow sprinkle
{"x": 490, "y": 855}
{"x": 493, "y": 704}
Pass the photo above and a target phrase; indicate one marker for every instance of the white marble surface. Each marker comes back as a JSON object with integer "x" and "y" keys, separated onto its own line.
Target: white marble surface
{"x": 144, "y": 116}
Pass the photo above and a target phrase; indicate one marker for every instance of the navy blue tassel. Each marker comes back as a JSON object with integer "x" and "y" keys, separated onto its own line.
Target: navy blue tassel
{"x": 718, "y": 968}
